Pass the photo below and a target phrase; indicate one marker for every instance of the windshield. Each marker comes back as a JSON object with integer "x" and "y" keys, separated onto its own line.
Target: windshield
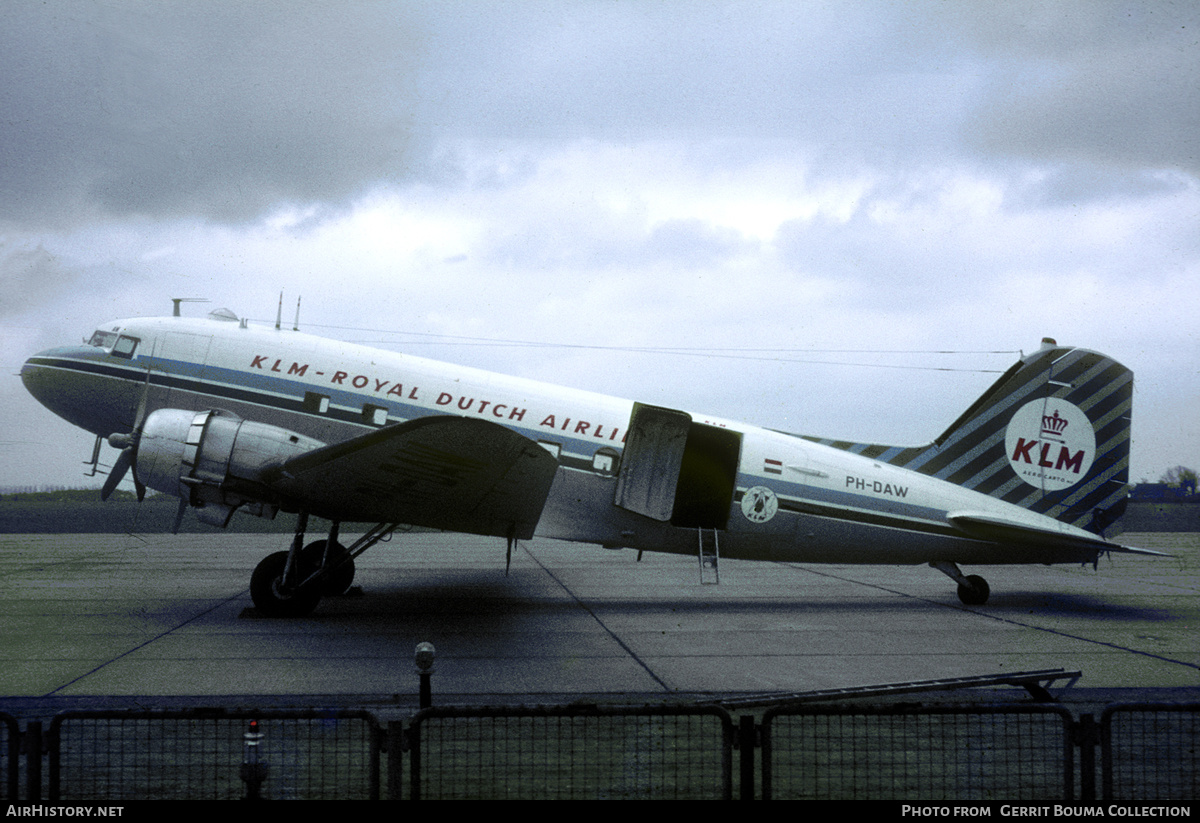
{"x": 125, "y": 347}
{"x": 103, "y": 339}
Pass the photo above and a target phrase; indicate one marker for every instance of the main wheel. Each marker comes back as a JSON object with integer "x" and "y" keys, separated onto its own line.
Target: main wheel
{"x": 275, "y": 600}
{"x": 976, "y": 594}
{"x": 342, "y": 578}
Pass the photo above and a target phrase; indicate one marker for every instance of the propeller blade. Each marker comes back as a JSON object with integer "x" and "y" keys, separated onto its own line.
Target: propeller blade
{"x": 127, "y": 443}
{"x": 140, "y": 418}
{"x": 136, "y": 434}
{"x": 183, "y": 504}
{"x": 512, "y": 541}
{"x": 120, "y": 467}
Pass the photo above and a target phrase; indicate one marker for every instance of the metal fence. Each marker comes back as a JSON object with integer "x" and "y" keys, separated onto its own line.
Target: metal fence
{"x": 10, "y": 756}
{"x": 214, "y": 755}
{"x": 1149, "y": 751}
{"x": 1008, "y": 752}
{"x": 572, "y": 752}
{"x": 919, "y": 754}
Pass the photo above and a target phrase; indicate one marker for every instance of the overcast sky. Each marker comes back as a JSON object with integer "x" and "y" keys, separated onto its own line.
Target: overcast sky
{"x": 803, "y": 199}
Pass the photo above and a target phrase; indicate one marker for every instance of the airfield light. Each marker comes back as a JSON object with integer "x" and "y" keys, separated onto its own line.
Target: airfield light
{"x": 424, "y": 659}
{"x": 424, "y": 656}
{"x": 253, "y": 773}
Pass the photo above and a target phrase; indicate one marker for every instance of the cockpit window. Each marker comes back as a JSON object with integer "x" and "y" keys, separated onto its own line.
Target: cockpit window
{"x": 103, "y": 339}
{"x": 125, "y": 347}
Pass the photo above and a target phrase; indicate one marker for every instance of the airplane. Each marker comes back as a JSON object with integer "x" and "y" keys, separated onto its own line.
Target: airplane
{"x": 230, "y": 416}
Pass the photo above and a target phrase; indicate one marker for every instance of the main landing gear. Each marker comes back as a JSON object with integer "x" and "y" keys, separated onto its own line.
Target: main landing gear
{"x": 292, "y": 583}
{"x": 973, "y": 590}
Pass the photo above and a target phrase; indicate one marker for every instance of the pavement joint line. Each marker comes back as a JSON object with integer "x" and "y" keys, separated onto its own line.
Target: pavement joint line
{"x": 145, "y": 643}
{"x": 599, "y": 622}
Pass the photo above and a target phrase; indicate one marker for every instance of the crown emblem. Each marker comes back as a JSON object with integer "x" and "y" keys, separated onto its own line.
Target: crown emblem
{"x": 1054, "y": 425}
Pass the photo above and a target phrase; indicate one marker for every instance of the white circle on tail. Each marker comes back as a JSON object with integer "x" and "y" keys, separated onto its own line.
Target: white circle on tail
{"x": 1050, "y": 444}
{"x": 759, "y": 504}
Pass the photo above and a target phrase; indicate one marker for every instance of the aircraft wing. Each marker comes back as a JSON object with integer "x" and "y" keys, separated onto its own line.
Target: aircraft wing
{"x": 989, "y": 527}
{"x": 452, "y": 473}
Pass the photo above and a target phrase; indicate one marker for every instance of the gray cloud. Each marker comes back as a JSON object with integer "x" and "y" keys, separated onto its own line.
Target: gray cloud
{"x": 1110, "y": 84}
{"x": 225, "y": 111}
{"x": 32, "y": 278}
{"x": 215, "y": 109}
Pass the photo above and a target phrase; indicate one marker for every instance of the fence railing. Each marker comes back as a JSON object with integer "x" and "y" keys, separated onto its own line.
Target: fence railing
{"x": 993, "y": 753}
{"x": 213, "y": 754}
{"x": 916, "y": 754}
{"x": 572, "y": 752}
{"x": 1149, "y": 751}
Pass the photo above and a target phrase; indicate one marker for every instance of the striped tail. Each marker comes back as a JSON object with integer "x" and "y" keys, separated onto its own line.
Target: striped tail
{"x": 1051, "y": 435}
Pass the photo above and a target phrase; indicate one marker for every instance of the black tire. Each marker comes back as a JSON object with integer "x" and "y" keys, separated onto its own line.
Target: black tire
{"x": 273, "y": 600}
{"x": 342, "y": 578}
{"x": 976, "y": 594}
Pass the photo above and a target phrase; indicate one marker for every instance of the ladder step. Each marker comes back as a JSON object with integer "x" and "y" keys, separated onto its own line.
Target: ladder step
{"x": 710, "y": 555}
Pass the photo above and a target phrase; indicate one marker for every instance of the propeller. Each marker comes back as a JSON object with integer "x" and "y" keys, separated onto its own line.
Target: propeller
{"x": 511, "y": 540}
{"x": 127, "y": 443}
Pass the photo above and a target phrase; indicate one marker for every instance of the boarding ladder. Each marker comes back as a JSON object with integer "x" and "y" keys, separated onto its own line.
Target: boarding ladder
{"x": 710, "y": 553}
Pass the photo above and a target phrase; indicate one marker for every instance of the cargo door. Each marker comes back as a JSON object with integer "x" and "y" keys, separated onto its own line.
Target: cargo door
{"x": 650, "y": 465}
{"x": 677, "y": 470}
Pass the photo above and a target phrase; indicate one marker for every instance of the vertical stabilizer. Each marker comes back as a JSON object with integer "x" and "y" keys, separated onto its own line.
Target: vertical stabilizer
{"x": 1051, "y": 435}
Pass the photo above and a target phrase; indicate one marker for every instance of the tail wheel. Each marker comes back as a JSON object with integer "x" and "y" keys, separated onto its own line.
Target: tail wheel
{"x": 272, "y": 598}
{"x": 340, "y": 580}
{"x": 975, "y": 592}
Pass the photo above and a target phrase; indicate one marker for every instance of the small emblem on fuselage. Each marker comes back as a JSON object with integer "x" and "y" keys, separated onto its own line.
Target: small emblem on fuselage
{"x": 1050, "y": 444}
{"x": 759, "y": 504}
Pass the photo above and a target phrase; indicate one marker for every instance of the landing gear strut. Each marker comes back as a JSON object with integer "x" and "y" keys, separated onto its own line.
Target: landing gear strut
{"x": 292, "y": 583}
{"x": 276, "y": 588}
{"x": 336, "y": 562}
{"x": 278, "y": 585}
{"x": 973, "y": 590}
{"x": 341, "y": 575}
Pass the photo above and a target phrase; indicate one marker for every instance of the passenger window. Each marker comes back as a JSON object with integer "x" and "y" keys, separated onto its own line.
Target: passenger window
{"x": 554, "y": 448}
{"x": 314, "y": 402}
{"x": 125, "y": 347}
{"x": 375, "y": 415}
{"x": 604, "y": 462}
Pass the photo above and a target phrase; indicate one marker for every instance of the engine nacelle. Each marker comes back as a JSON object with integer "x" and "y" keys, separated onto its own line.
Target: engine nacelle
{"x": 214, "y": 460}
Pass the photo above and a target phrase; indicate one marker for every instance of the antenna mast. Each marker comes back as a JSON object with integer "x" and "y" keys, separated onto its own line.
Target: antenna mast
{"x": 296, "y": 325}
{"x": 177, "y": 300}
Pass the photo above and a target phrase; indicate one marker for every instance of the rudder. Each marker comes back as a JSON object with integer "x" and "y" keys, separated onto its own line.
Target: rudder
{"x": 1051, "y": 435}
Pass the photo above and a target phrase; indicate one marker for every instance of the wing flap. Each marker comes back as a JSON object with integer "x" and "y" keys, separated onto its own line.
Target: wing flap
{"x": 990, "y": 527}
{"x": 452, "y": 473}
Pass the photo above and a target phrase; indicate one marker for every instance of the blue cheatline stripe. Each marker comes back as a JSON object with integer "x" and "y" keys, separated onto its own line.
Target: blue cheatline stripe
{"x": 269, "y": 396}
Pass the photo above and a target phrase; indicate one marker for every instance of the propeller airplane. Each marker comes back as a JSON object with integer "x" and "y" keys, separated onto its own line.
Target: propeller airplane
{"x": 228, "y": 416}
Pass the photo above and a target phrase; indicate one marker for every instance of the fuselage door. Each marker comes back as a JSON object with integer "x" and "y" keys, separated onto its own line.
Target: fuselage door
{"x": 677, "y": 470}
{"x": 653, "y": 457}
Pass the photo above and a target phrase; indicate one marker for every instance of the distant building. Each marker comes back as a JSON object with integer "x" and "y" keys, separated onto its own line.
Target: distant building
{"x": 1163, "y": 507}
{"x": 1184, "y": 491}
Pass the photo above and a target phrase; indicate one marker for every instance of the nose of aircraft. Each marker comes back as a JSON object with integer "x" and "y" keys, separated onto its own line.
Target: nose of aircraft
{"x": 38, "y": 379}
{"x": 73, "y": 384}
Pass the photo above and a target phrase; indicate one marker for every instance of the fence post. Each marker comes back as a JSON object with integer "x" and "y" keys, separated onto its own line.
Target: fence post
{"x": 33, "y": 761}
{"x": 395, "y": 749}
{"x": 746, "y": 735}
{"x": 1087, "y": 738}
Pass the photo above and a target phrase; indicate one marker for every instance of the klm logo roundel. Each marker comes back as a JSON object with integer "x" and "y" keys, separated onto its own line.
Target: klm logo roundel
{"x": 1050, "y": 444}
{"x": 759, "y": 504}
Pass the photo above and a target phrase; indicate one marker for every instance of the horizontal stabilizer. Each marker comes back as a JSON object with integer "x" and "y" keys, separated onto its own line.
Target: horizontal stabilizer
{"x": 990, "y": 527}
{"x": 452, "y": 473}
